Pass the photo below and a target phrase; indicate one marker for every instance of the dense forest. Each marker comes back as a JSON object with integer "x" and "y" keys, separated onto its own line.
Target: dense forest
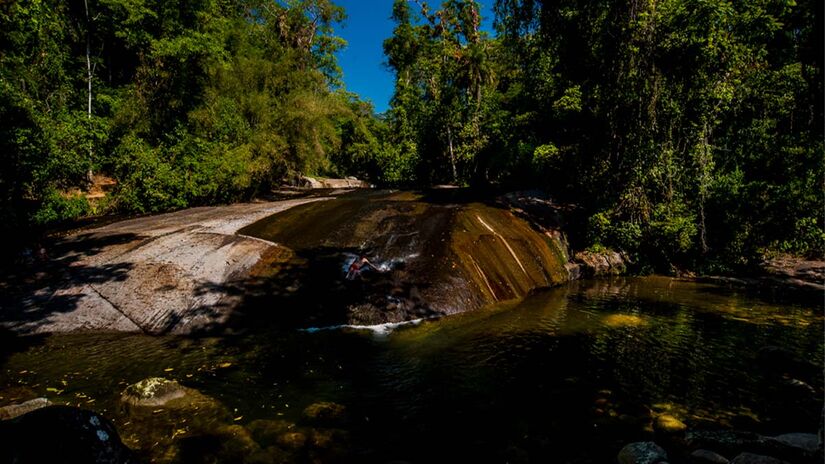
{"x": 689, "y": 132}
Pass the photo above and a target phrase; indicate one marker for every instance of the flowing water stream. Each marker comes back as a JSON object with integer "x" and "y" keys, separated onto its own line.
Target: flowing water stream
{"x": 567, "y": 374}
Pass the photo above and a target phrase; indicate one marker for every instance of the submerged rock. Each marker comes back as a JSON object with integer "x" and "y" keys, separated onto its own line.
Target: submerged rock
{"x": 325, "y": 413}
{"x": 62, "y": 434}
{"x": 292, "y": 440}
{"x": 154, "y": 391}
{"x": 14, "y": 410}
{"x": 750, "y": 458}
{"x": 669, "y": 425}
{"x": 159, "y": 412}
{"x": 804, "y": 442}
{"x": 229, "y": 443}
{"x": 643, "y": 452}
{"x": 266, "y": 432}
{"x": 703, "y": 456}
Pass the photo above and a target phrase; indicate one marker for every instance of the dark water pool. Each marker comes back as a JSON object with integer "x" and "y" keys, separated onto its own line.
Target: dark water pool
{"x": 566, "y": 375}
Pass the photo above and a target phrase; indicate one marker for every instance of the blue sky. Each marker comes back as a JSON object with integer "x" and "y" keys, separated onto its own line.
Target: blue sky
{"x": 368, "y": 23}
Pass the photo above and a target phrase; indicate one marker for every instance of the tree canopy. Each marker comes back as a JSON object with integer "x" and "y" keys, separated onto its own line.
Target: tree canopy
{"x": 690, "y": 132}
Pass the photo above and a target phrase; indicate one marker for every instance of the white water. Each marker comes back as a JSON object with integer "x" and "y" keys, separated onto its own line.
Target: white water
{"x": 382, "y": 265}
{"x": 378, "y": 330}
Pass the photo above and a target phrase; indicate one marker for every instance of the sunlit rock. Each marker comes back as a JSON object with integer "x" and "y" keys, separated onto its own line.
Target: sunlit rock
{"x": 154, "y": 391}
{"x": 14, "y": 410}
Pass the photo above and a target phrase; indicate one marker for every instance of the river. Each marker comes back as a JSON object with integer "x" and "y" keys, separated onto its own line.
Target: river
{"x": 567, "y": 374}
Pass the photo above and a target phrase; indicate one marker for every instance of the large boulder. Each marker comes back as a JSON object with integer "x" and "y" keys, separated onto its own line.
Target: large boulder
{"x": 62, "y": 434}
{"x": 592, "y": 264}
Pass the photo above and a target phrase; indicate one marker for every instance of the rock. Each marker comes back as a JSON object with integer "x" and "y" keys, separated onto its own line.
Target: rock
{"x": 14, "y": 410}
{"x": 574, "y": 271}
{"x": 152, "y": 392}
{"x": 325, "y": 414}
{"x": 269, "y": 455}
{"x": 328, "y": 438}
{"x": 228, "y": 443}
{"x": 667, "y": 424}
{"x": 750, "y": 458}
{"x": 266, "y": 432}
{"x": 594, "y": 264}
{"x": 62, "y": 434}
{"x": 703, "y": 456}
{"x": 729, "y": 442}
{"x": 327, "y": 183}
{"x": 292, "y": 440}
{"x": 153, "y": 419}
{"x": 804, "y": 442}
{"x": 643, "y": 452}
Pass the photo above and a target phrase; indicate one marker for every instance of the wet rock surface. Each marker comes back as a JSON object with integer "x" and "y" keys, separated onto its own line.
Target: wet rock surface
{"x": 435, "y": 254}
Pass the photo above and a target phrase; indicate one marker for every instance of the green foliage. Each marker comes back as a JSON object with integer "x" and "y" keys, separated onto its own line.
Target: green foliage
{"x": 202, "y": 102}
{"x": 57, "y": 207}
{"x": 690, "y": 130}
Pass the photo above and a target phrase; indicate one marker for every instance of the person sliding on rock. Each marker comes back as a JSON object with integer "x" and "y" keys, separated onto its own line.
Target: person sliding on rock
{"x": 358, "y": 266}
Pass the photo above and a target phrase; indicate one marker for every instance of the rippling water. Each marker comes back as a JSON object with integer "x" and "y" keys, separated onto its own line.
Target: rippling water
{"x": 566, "y": 375}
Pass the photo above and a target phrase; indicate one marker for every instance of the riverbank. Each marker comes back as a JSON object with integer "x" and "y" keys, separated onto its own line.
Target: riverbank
{"x": 441, "y": 252}
{"x": 154, "y": 274}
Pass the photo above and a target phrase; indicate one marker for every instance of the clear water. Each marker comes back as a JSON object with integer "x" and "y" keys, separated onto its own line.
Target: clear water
{"x": 565, "y": 375}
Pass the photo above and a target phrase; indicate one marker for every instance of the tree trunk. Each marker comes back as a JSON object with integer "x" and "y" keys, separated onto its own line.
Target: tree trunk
{"x": 89, "y": 174}
{"x": 452, "y": 154}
